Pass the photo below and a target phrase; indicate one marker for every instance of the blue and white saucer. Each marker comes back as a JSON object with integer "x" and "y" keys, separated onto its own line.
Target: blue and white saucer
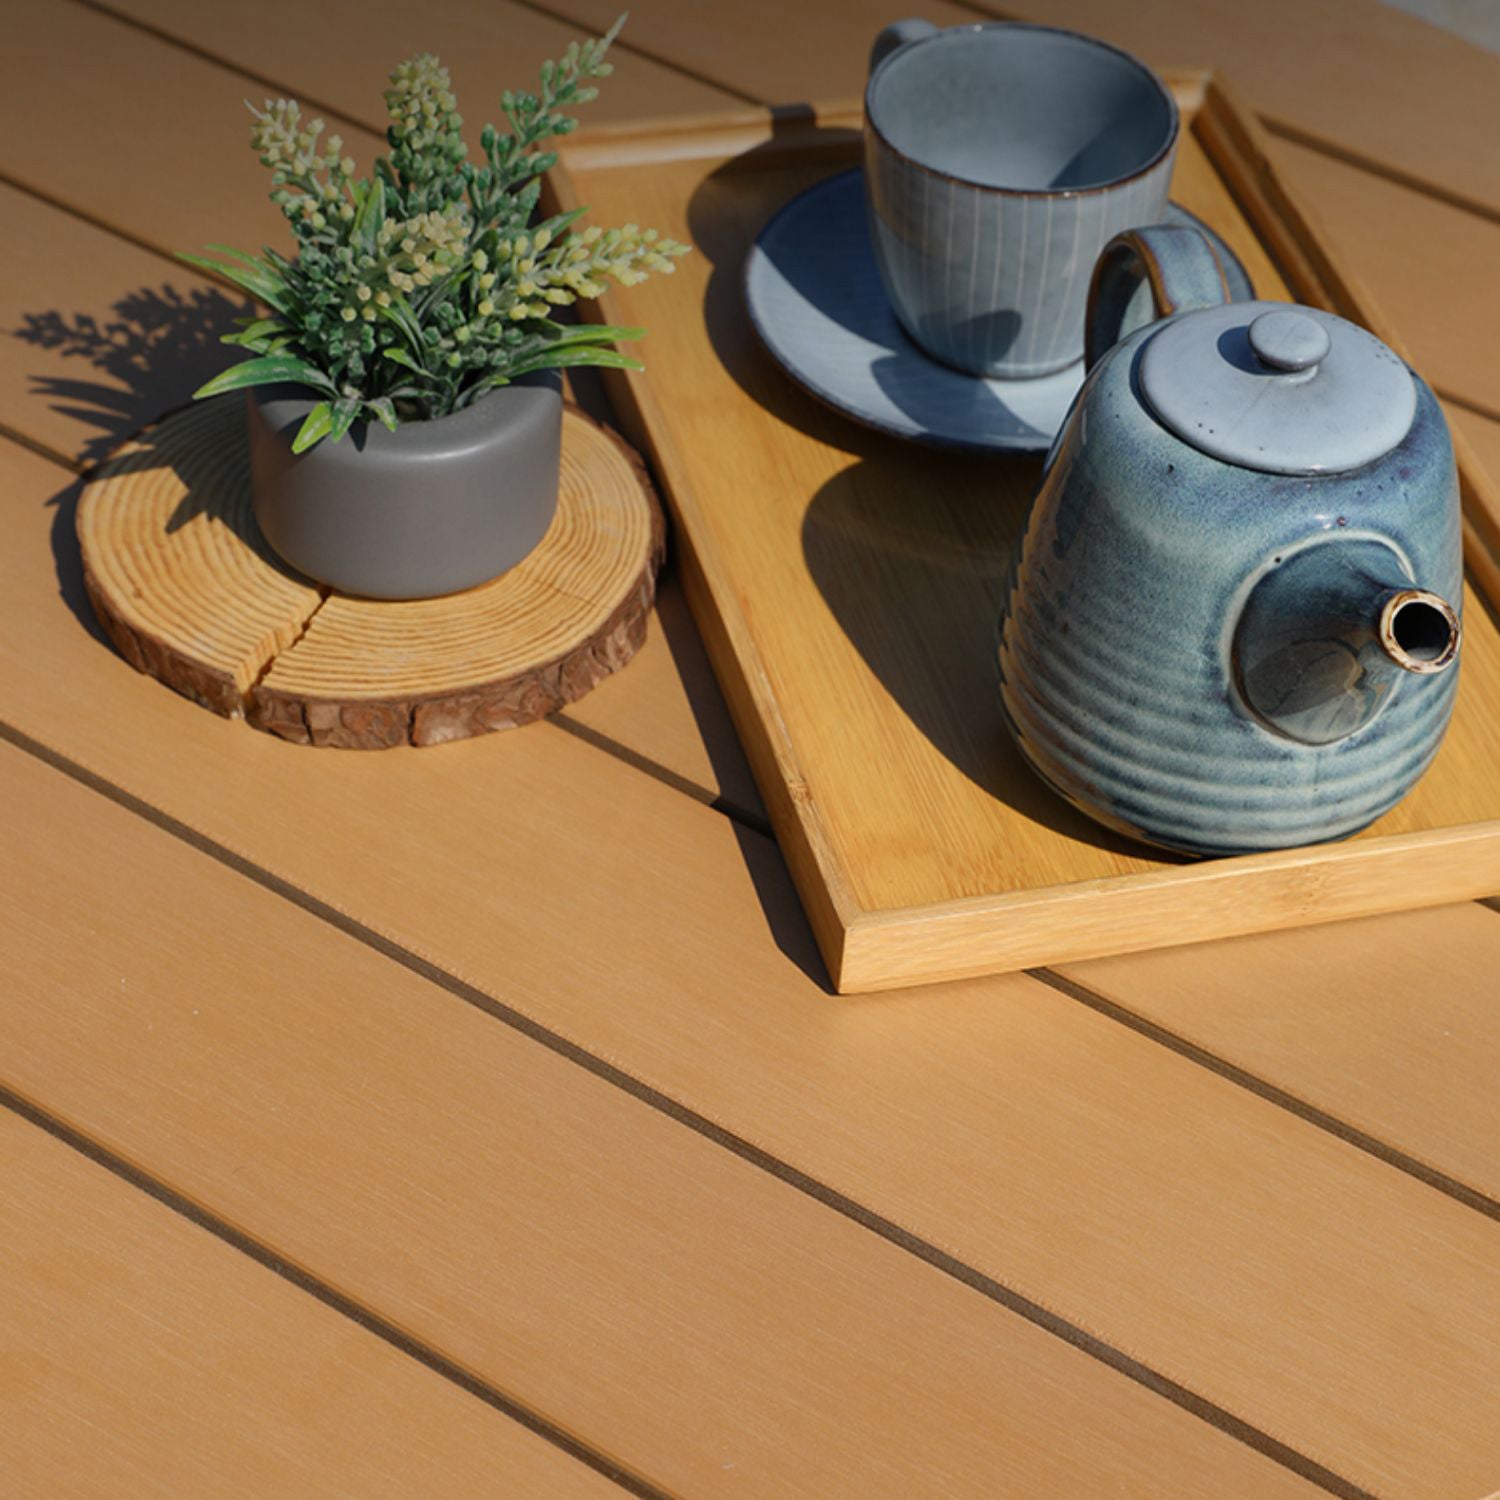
{"x": 815, "y": 299}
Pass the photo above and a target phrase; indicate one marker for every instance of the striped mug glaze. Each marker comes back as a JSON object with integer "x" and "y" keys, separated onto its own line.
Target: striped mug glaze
{"x": 999, "y": 161}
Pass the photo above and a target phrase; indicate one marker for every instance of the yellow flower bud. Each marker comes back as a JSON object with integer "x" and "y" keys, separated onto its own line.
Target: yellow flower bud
{"x": 348, "y": 315}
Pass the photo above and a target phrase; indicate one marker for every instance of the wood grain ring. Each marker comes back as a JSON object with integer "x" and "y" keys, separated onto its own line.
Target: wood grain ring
{"x": 190, "y": 593}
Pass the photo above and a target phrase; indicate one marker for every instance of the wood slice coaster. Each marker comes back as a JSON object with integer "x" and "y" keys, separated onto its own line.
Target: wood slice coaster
{"x": 190, "y": 593}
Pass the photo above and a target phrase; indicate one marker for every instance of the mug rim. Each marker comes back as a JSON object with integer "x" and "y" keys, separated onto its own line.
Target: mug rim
{"x": 1156, "y": 80}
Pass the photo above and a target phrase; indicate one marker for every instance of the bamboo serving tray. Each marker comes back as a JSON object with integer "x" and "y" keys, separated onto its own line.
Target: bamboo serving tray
{"x": 847, "y": 588}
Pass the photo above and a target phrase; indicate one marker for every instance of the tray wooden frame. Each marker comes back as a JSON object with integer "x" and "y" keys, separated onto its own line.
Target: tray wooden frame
{"x": 1078, "y": 913}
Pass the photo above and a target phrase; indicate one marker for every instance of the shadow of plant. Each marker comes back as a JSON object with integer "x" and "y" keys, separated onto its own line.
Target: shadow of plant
{"x": 156, "y": 346}
{"x": 150, "y": 352}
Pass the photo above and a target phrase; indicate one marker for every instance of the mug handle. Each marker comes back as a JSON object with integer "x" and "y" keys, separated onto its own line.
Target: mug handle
{"x": 1145, "y": 274}
{"x": 898, "y": 34}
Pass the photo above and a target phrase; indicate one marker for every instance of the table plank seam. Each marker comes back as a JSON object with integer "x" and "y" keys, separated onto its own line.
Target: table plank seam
{"x": 1283, "y": 128}
{"x": 1479, "y": 408}
{"x": 625, "y": 44}
{"x": 894, "y": 1233}
{"x": 21, "y": 185}
{"x": 1352, "y": 1135}
{"x": 1263, "y": 1089}
{"x": 62, "y": 460}
{"x": 561, "y": 719}
{"x": 730, "y": 809}
{"x": 331, "y": 1297}
{"x": 1291, "y": 131}
{"x": 1079, "y": 993}
{"x": 204, "y": 54}
{"x": 1276, "y": 124}
{"x": 1288, "y": 131}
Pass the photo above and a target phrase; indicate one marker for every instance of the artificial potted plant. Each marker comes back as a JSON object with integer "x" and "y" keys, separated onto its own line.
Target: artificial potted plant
{"x": 404, "y": 408}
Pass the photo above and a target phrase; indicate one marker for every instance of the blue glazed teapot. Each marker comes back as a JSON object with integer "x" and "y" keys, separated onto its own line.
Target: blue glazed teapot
{"x": 1233, "y": 619}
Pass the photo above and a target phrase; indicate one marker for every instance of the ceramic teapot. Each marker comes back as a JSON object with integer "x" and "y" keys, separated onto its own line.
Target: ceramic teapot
{"x": 1233, "y": 620}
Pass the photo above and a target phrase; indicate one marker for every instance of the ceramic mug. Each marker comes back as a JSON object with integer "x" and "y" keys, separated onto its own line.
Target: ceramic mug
{"x": 1000, "y": 159}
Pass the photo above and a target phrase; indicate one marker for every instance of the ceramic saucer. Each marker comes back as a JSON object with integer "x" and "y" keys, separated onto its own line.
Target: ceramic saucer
{"x": 815, "y": 299}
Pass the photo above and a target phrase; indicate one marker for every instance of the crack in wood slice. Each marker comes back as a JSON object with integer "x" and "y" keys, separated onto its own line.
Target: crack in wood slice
{"x": 177, "y": 571}
{"x": 190, "y": 593}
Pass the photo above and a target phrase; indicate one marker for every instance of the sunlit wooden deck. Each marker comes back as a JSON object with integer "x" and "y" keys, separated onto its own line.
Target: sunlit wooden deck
{"x": 479, "y": 1122}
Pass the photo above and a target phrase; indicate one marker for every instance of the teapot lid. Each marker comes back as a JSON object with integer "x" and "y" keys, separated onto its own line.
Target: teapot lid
{"x": 1284, "y": 389}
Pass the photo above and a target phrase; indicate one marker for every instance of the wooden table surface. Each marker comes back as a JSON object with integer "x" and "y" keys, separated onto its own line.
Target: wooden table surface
{"x": 478, "y": 1121}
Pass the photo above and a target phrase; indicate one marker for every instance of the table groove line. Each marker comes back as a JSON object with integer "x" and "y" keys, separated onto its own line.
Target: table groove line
{"x": 744, "y": 816}
{"x": 62, "y": 205}
{"x": 204, "y": 54}
{"x": 42, "y": 450}
{"x": 891, "y": 1231}
{"x": 1288, "y": 131}
{"x": 561, "y": 719}
{"x": 1388, "y": 1154}
{"x": 626, "y": 45}
{"x": 1469, "y": 403}
{"x": 1392, "y": 1156}
{"x": 1372, "y": 1145}
{"x": 330, "y": 1296}
{"x": 1276, "y": 124}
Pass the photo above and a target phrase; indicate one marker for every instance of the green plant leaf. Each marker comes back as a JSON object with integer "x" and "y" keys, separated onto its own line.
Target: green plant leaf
{"x": 575, "y": 354}
{"x": 594, "y": 333}
{"x": 254, "y": 332}
{"x": 401, "y": 357}
{"x": 344, "y": 414}
{"x": 265, "y": 371}
{"x": 252, "y": 277}
{"x": 370, "y": 217}
{"x": 400, "y": 313}
{"x": 233, "y": 254}
{"x": 475, "y": 391}
{"x": 314, "y": 428}
{"x": 384, "y": 408}
{"x": 559, "y": 222}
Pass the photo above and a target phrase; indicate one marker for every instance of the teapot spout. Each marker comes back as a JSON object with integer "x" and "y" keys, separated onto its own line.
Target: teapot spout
{"x": 1419, "y": 631}
{"x": 1326, "y": 635}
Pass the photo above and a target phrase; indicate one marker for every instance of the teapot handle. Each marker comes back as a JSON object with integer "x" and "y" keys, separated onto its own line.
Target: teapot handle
{"x": 898, "y": 34}
{"x": 1145, "y": 274}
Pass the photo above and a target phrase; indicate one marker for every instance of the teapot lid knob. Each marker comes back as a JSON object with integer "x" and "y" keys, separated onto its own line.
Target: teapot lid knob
{"x": 1281, "y": 389}
{"x": 1289, "y": 341}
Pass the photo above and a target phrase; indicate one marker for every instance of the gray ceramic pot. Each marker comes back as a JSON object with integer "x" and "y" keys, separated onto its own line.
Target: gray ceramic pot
{"x": 429, "y": 509}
